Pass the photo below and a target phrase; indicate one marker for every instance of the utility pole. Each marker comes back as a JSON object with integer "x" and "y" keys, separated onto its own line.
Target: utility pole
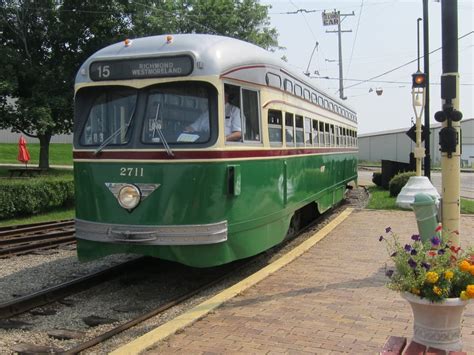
{"x": 426, "y": 70}
{"x": 339, "y": 31}
{"x": 450, "y": 116}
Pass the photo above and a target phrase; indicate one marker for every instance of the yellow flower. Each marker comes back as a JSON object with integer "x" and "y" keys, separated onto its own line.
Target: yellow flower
{"x": 437, "y": 290}
{"x": 471, "y": 269}
{"x": 464, "y": 296}
{"x": 432, "y": 277}
{"x": 448, "y": 275}
{"x": 470, "y": 291}
{"x": 464, "y": 265}
{"x": 415, "y": 291}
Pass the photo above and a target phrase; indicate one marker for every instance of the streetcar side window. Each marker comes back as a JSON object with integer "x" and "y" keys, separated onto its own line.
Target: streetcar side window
{"x": 298, "y": 90}
{"x": 251, "y": 116}
{"x": 327, "y": 142}
{"x": 306, "y": 94}
{"x": 322, "y": 138}
{"x": 275, "y": 127}
{"x": 289, "y": 129}
{"x": 315, "y": 133}
{"x": 331, "y": 134}
{"x": 299, "y": 130}
{"x": 338, "y": 136}
{"x": 307, "y": 131}
{"x": 288, "y": 86}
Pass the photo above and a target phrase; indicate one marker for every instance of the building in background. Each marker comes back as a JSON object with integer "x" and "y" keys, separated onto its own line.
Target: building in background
{"x": 7, "y": 136}
{"x": 396, "y": 145}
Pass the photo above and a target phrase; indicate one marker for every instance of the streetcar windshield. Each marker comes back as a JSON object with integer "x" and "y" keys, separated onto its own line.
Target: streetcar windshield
{"x": 109, "y": 118}
{"x": 177, "y": 113}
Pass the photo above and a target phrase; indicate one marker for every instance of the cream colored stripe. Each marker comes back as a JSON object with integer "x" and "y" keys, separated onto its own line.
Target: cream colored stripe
{"x": 180, "y": 322}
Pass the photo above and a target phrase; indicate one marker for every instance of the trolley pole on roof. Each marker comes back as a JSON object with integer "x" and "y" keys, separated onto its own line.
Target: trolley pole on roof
{"x": 450, "y": 117}
{"x": 334, "y": 18}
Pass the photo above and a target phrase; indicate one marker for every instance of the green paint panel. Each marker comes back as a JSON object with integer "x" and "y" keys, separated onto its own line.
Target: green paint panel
{"x": 257, "y": 199}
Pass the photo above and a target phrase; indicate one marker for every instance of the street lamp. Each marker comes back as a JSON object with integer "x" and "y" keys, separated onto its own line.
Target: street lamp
{"x": 418, "y": 101}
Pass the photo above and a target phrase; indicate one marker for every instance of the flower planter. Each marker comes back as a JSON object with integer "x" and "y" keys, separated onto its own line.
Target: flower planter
{"x": 437, "y": 324}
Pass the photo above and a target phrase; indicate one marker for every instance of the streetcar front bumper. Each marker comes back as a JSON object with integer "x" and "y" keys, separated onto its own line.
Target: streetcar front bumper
{"x": 190, "y": 234}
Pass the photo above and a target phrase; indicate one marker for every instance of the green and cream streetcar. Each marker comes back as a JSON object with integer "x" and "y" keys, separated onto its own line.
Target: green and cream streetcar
{"x": 157, "y": 173}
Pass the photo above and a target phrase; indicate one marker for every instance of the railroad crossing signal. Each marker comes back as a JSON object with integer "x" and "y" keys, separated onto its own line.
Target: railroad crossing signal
{"x": 419, "y": 80}
{"x": 412, "y": 133}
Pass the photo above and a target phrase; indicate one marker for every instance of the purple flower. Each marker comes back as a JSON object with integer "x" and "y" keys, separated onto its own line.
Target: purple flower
{"x": 388, "y": 229}
{"x": 380, "y": 238}
{"x": 415, "y": 237}
{"x": 413, "y": 252}
{"x": 412, "y": 263}
{"x": 407, "y": 247}
{"x": 441, "y": 252}
{"x": 389, "y": 273}
{"x": 426, "y": 265}
{"x": 435, "y": 241}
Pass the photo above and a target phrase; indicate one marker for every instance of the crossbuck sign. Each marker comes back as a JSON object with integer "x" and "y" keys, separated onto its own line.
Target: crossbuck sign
{"x": 330, "y": 18}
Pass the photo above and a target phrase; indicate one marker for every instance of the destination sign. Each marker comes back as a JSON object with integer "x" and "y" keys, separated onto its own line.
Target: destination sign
{"x": 141, "y": 68}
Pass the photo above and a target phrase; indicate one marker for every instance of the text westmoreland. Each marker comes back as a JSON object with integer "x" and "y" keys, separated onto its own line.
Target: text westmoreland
{"x": 150, "y": 69}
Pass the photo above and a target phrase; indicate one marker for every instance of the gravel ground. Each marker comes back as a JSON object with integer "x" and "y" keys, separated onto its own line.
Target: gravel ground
{"x": 28, "y": 273}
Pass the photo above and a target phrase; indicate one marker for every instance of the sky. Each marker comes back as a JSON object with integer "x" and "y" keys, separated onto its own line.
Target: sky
{"x": 383, "y": 37}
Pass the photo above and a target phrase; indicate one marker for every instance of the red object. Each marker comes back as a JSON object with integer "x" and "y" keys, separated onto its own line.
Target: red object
{"x": 23, "y": 154}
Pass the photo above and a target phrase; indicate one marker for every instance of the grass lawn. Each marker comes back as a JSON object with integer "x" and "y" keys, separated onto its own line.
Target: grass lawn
{"x": 53, "y": 215}
{"x": 51, "y": 172}
{"x": 59, "y": 154}
{"x": 380, "y": 199}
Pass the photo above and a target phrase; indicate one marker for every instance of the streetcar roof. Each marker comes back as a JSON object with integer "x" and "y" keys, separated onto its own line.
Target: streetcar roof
{"x": 210, "y": 50}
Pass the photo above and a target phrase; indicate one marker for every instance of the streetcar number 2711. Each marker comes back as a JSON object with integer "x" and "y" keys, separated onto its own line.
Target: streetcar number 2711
{"x": 131, "y": 171}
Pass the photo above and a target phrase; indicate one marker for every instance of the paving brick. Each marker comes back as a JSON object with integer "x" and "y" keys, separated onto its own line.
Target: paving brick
{"x": 332, "y": 299}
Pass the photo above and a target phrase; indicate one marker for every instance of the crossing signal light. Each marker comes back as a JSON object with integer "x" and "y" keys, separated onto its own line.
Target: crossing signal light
{"x": 419, "y": 80}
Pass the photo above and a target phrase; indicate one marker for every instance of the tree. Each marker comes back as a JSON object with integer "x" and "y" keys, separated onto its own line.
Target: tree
{"x": 44, "y": 42}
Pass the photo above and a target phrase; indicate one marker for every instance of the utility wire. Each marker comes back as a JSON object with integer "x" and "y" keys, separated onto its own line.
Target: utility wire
{"x": 355, "y": 37}
{"x": 380, "y": 81}
{"x": 403, "y": 65}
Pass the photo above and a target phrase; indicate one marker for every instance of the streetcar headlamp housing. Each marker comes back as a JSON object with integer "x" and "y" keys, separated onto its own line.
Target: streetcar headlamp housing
{"x": 129, "y": 196}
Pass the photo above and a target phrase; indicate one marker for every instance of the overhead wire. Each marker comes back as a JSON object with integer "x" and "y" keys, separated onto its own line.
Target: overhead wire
{"x": 355, "y": 38}
{"x": 403, "y": 65}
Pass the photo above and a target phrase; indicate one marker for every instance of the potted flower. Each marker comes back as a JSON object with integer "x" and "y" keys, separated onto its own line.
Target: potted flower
{"x": 437, "y": 279}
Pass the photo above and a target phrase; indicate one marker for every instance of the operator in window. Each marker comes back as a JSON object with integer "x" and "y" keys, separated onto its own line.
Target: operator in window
{"x": 233, "y": 124}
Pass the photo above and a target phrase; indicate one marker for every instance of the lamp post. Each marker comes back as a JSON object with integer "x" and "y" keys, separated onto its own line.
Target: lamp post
{"x": 418, "y": 101}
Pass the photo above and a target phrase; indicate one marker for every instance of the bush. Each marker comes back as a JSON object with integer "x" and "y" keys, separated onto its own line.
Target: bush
{"x": 26, "y": 197}
{"x": 377, "y": 178}
{"x": 398, "y": 181}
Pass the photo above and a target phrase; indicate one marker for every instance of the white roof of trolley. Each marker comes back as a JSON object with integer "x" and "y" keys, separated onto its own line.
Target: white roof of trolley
{"x": 212, "y": 55}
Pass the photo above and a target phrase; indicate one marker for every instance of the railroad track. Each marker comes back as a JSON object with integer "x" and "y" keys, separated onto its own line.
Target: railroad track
{"x": 22, "y": 239}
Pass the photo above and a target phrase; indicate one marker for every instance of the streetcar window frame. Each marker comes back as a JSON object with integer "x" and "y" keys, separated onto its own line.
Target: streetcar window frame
{"x": 213, "y": 131}
{"x": 271, "y": 79}
{"x": 275, "y": 125}
{"x": 290, "y": 129}
{"x": 288, "y": 85}
{"x": 298, "y": 90}
{"x": 308, "y": 132}
{"x": 244, "y": 118}
{"x": 87, "y": 95}
{"x": 306, "y": 94}
{"x": 299, "y": 130}
{"x": 315, "y": 128}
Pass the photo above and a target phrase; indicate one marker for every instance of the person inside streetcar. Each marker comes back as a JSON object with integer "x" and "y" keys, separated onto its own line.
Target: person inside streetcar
{"x": 233, "y": 123}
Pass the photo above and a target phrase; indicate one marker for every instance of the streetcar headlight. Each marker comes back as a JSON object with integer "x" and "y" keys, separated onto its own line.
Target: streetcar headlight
{"x": 129, "y": 196}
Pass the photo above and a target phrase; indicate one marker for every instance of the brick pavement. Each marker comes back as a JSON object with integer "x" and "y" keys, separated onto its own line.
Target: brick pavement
{"x": 330, "y": 300}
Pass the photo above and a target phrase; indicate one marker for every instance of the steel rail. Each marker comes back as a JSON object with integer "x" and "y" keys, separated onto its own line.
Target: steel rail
{"x": 154, "y": 312}
{"x": 11, "y": 231}
{"x": 52, "y": 294}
